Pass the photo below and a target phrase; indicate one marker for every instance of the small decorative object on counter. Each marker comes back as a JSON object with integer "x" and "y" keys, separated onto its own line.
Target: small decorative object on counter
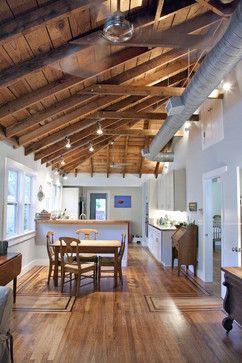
{"x": 40, "y": 194}
{"x": 43, "y": 215}
{"x": 3, "y": 248}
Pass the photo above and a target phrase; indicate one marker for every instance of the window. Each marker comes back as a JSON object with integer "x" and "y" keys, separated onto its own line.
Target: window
{"x": 19, "y": 206}
{"x": 12, "y": 202}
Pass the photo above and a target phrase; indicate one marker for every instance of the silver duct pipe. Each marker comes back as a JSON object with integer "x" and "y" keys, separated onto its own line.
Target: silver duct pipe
{"x": 218, "y": 63}
{"x": 161, "y": 157}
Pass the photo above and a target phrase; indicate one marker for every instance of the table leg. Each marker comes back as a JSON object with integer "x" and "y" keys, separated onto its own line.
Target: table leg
{"x": 56, "y": 268}
{"x": 14, "y": 289}
{"x": 116, "y": 268}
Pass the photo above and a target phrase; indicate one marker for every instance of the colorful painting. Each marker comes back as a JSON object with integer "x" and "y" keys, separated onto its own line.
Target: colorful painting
{"x": 122, "y": 201}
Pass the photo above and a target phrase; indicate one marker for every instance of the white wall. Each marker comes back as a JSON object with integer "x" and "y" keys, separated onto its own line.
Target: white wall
{"x": 189, "y": 154}
{"x": 26, "y": 244}
{"x": 70, "y": 202}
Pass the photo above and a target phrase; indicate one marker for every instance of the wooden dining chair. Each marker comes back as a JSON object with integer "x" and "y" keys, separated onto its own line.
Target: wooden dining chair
{"x": 71, "y": 263}
{"x": 51, "y": 254}
{"x": 87, "y": 233}
{"x": 109, "y": 261}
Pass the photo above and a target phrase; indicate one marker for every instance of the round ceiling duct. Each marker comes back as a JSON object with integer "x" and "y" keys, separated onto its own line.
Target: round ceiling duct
{"x": 117, "y": 29}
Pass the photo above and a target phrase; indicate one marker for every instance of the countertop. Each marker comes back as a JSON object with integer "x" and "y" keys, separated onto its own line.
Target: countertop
{"x": 80, "y": 221}
{"x": 235, "y": 271}
{"x": 161, "y": 228}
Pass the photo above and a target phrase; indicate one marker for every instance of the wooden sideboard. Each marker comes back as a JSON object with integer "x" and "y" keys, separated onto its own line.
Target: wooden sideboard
{"x": 10, "y": 268}
{"x": 184, "y": 247}
{"x": 233, "y": 297}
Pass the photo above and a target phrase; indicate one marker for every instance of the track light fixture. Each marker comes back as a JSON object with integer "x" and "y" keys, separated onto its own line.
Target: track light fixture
{"x": 99, "y": 129}
{"x": 91, "y": 148}
{"x": 56, "y": 172}
{"x": 62, "y": 161}
{"x": 68, "y": 143}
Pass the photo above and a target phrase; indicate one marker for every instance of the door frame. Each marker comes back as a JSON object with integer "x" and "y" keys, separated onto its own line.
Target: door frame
{"x": 102, "y": 192}
{"x": 207, "y": 221}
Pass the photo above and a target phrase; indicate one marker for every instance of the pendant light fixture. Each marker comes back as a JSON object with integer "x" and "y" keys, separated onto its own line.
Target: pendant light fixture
{"x": 99, "y": 129}
{"x": 68, "y": 142}
{"x": 62, "y": 161}
{"x": 91, "y": 148}
{"x": 117, "y": 29}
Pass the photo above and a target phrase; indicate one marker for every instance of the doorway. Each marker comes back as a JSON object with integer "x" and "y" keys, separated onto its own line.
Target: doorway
{"x": 216, "y": 234}
{"x": 98, "y": 206}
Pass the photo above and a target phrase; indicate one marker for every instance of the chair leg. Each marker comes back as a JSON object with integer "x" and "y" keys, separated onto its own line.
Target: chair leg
{"x": 62, "y": 280}
{"x": 77, "y": 285}
{"x": 49, "y": 274}
{"x": 99, "y": 274}
{"x": 120, "y": 274}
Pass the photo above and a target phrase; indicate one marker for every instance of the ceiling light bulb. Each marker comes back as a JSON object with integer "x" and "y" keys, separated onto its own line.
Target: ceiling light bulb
{"x": 227, "y": 86}
{"x": 111, "y": 142}
{"x": 64, "y": 176}
{"x": 91, "y": 148}
{"x": 68, "y": 143}
{"x": 99, "y": 129}
{"x": 63, "y": 162}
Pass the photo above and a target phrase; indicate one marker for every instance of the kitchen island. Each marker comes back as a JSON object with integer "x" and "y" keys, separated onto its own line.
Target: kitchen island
{"x": 107, "y": 230}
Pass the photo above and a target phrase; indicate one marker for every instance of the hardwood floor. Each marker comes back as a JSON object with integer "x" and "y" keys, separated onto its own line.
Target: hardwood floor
{"x": 117, "y": 326}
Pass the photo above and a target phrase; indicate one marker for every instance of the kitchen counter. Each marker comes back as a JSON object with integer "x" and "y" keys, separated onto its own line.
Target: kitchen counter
{"x": 162, "y": 228}
{"x": 81, "y": 221}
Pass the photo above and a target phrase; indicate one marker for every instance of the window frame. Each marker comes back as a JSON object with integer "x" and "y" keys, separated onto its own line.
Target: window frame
{"x": 22, "y": 171}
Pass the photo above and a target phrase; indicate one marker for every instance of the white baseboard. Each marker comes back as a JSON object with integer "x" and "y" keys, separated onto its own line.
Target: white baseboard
{"x": 37, "y": 262}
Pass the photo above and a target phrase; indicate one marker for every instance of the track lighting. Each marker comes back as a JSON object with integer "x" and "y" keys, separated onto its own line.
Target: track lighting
{"x": 111, "y": 142}
{"x": 56, "y": 172}
{"x": 68, "y": 143}
{"x": 91, "y": 148}
{"x": 99, "y": 129}
{"x": 62, "y": 161}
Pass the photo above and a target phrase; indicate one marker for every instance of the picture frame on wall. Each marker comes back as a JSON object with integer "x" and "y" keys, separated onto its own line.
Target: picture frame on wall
{"x": 192, "y": 206}
{"x": 122, "y": 201}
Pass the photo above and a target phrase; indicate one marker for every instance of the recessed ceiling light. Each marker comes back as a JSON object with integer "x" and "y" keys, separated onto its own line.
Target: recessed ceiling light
{"x": 68, "y": 143}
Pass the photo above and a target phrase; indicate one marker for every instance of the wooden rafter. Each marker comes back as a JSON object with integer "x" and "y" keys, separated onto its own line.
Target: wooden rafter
{"x": 136, "y": 132}
{"x": 157, "y": 167}
{"x": 125, "y": 154}
{"x": 144, "y": 115}
{"x": 91, "y": 166}
{"x": 217, "y": 7}
{"x": 158, "y": 12}
{"x": 108, "y": 160}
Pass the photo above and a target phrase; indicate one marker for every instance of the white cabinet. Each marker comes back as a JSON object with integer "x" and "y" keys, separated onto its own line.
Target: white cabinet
{"x": 171, "y": 191}
{"x": 154, "y": 242}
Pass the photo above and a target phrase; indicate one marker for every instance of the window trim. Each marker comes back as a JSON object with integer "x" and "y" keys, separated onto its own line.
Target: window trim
{"x": 22, "y": 170}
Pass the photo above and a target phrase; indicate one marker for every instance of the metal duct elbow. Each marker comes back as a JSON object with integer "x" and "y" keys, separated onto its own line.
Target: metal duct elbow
{"x": 217, "y": 64}
{"x": 161, "y": 157}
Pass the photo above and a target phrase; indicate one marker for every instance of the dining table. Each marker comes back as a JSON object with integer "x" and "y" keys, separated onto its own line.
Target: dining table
{"x": 90, "y": 246}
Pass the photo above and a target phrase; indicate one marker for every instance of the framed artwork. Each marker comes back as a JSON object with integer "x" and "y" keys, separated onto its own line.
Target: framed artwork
{"x": 122, "y": 201}
{"x": 192, "y": 206}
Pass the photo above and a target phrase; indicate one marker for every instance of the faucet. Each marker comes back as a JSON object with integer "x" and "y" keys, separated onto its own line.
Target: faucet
{"x": 83, "y": 216}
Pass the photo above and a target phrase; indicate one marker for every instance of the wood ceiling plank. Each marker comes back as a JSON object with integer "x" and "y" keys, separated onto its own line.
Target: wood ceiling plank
{"x": 125, "y": 154}
{"x": 42, "y": 16}
{"x": 217, "y": 7}
{"x": 138, "y": 115}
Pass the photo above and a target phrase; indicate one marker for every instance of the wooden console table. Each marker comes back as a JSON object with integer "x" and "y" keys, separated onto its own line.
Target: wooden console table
{"x": 233, "y": 298}
{"x": 10, "y": 268}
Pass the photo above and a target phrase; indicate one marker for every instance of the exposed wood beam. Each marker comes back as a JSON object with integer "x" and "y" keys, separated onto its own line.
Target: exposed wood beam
{"x": 158, "y": 12}
{"x": 91, "y": 165}
{"x": 108, "y": 160}
{"x": 125, "y": 154}
{"x": 217, "y": 7}
{"x": 139, "y": 115}
{"x": 146, "y": 143}
{"x": 156, "y": 172}
{"x": 99, "y": 103}
{"x": 111, "y": 89}
{"x": 43, "y": 16}
{"x": 136, "y": 132}
{"x": 68, "y": 81}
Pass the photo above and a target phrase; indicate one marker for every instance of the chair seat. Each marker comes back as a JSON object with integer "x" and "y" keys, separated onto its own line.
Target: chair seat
{"x": 109, "y": 261}
{"x": 84, "y": 267}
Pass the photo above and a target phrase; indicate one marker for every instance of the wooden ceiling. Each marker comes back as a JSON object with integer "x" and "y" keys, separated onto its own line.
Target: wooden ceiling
{"x": 52, "y": 88}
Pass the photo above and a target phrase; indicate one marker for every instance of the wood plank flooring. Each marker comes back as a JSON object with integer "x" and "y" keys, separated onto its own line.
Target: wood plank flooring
{"x": 110, "y": 325}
